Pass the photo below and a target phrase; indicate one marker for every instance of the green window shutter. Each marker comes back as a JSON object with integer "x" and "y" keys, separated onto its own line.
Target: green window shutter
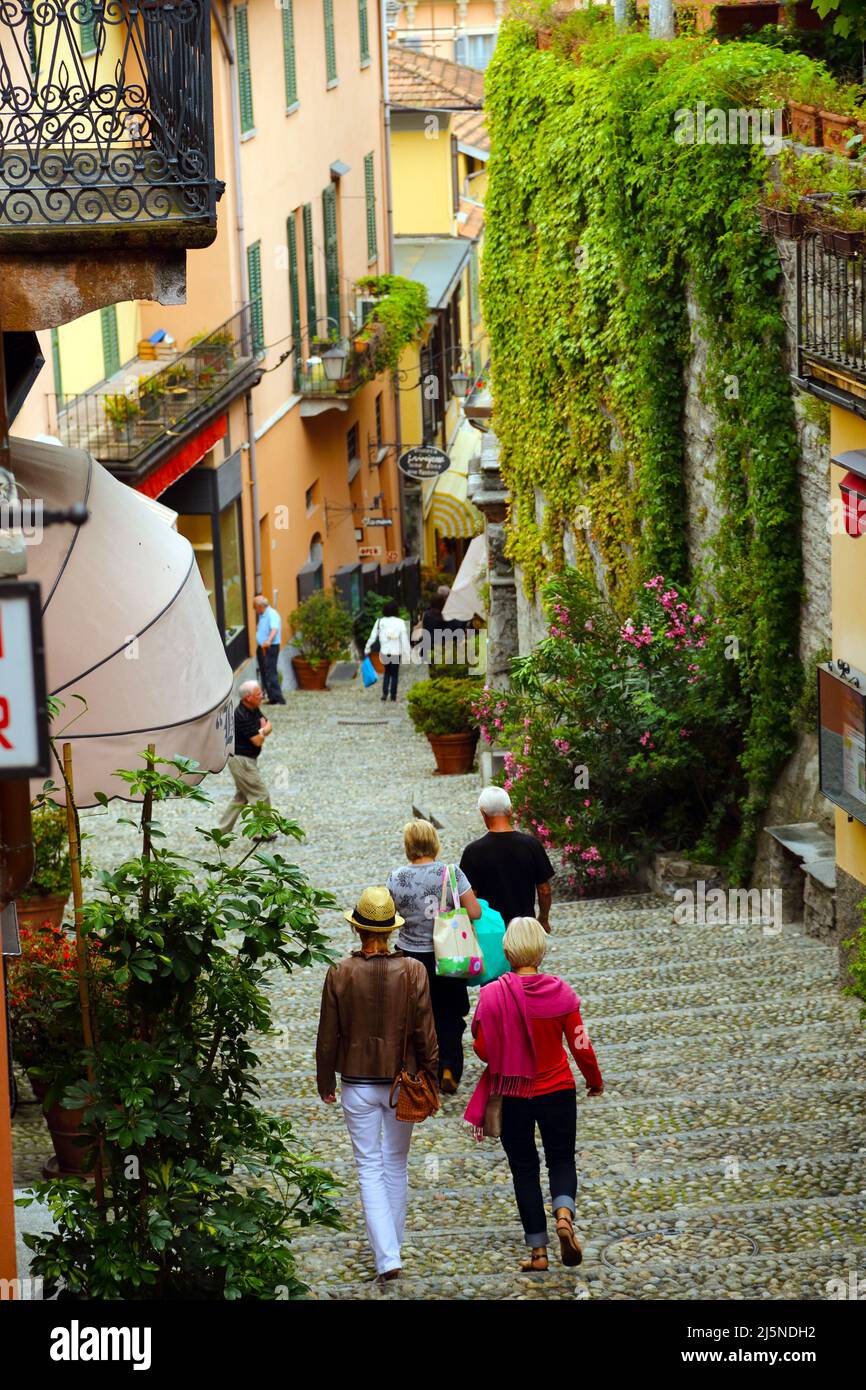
{"x": 332, "y": 255}
{"x": 110, "y": 340}
{"x": 55, "y": 362}
{"x": 88, "y": 28}
{"x": 289, "y": 64}
{"x": 295, "y": 296}
{"x": 474, "y": 285}
{"x": 310, "y": 270}
{"x": 330, "y": 41}
{"x": 254, "y": 276}
{"x": 242, "y": 57}
{"x": 364, "y": 31}
{"x": 370, "y": 195}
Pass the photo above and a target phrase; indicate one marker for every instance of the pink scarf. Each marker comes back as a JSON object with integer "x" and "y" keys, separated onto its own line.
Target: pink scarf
{"x": 505, "y": 1011}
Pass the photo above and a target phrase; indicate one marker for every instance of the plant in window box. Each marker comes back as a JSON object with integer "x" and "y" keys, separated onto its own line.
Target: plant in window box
{"x": 215, "y": 349}
{"x": 808, "y": 95}
{"x": 121, "y": 410}
{"x": 839, "y": 118}
{"x": 150, "y": 394}
{"x": 785, "y": 205}
{"x": 843, "y": 227}
{"x": 322, "y": 630}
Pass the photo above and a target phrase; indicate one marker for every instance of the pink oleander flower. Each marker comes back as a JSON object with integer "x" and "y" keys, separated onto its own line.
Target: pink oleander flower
{"x": 645, "y": 739}
{"x": 588, "y": 625}
{"x": 587, "y": 802}
{"x": 562, "y": 744}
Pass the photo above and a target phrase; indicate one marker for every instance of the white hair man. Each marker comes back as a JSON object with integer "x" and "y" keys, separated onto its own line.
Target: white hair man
{"x": 268, "y": 632}
{"x": 251, "y": 730}
{"x": 506, "y": 867}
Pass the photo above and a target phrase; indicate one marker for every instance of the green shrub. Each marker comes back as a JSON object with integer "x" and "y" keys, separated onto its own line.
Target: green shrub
{"x": 321, "y": 628}
{"x": 51, "y": 873}
{"x": 442, "y": 706}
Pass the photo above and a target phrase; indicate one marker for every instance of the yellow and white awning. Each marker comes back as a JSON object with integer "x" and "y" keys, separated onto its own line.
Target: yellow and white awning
{"x": 447, "y": 508}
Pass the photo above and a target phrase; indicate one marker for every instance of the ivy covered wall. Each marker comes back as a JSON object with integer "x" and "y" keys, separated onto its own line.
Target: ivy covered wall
{"x": 601, "y": 228}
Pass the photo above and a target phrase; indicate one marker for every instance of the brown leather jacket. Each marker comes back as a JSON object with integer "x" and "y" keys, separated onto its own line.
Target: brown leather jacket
{"x": 362, "y": 1024}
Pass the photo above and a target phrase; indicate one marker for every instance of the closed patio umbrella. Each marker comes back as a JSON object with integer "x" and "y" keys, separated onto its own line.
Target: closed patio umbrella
{"x": 127, "y": 624}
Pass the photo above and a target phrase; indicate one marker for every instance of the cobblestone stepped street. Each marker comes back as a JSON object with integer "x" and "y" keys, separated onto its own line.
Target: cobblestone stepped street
{"x": 727, "y": 1158}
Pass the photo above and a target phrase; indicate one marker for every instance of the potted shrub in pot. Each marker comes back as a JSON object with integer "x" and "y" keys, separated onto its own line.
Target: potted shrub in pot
{"x": 808, "y": 96}
{"x": 48, "y": 890}
{"x": 442, "y": 709}
{"x": 839, "y": 119}
{"x": 786, "y": 206}
{"x": 322, "y": 629}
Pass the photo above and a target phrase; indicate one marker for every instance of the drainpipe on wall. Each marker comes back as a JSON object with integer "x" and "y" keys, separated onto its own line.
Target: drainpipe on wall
{"x": 389, "y": 221}
{"x": 226, "y": 33}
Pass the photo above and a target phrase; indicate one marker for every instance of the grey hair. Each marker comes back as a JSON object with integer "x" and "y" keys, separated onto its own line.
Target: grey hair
{"x": 248, "y": 687}
{"x": 494, "y": 801}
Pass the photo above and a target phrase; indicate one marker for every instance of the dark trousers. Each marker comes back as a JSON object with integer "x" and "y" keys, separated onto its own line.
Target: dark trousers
{"x": 556, "y": 1117}
{"x": 270, "y": 681}
{"x": 390, "y": 679}
{"x": 450, "y": 1000}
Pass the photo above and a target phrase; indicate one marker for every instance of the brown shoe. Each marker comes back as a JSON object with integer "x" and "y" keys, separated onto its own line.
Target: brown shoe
{"x": 569, "y": 1245}
{"x": 389, "y": 1274}
{"x": 448, "y": 1086}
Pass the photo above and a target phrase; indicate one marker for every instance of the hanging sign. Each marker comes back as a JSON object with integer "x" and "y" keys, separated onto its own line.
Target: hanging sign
{"x": 423, "y": 461}
{"x": 24, "y": 750}
{"x": 369, "y": 552}
{"x": 378, "y": 521}
{"x": 392, "y": 557}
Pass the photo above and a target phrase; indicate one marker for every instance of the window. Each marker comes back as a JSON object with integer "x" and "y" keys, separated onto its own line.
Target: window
{"x": 474, "y": 50}
{"x": 245, "y": 77}
{"x": 379, "y": 431}
{"x": 370, "y": 195}
{"x": 415, "y": 45}
{"x": 310, "y": 498}
{"x": 254, "y": 278}
{"x": 55, "y": 362}
{"x": 294, "y": 296}
{"x": 332, "y": 257}
{"x": 353, "y": 451}
{"x": 330, "y": 43}
{"x": 310, "y": 271}
{"x": 289, "y": 64}
{"x": 110, "y": 340}
{"x": 88, "y": 27}
{"x": 364, "y": 31}
{"x": 231, "y": 566}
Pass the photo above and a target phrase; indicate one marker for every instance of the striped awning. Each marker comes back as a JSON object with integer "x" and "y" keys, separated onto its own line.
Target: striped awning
{"x": 446, "y": 502}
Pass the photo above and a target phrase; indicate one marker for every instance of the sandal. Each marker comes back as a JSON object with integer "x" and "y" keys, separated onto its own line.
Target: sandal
{"x": 536, "y": 1264}
{"x": 569, "y": 1245}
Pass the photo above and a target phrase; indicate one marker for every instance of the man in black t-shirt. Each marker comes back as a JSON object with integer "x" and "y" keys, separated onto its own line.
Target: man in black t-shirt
{"x": 251, "y": 730}
{"x": 507, "y": 867}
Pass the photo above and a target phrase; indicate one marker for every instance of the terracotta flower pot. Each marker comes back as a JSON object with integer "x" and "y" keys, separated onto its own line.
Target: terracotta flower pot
{"x": 309, "y": 676}
{"x": 454, "y": 753}
{"x": 836, "y": 131}
{"x": 65, "y": 1128}
{"x": 544, "y": 38}
{"x": 789, "y": 225}
{"x": 32, "y": 912}
{"x": 805, "y": 122}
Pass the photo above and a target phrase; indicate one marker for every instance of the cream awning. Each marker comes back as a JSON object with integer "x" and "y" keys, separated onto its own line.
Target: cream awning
{"x": 446, "y": 498}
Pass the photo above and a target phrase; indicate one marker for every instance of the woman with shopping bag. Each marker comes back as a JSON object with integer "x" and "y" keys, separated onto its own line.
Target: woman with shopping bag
{"x": 390, "y": 638}
{"x": 417, "y": 891}
{"x": 519, "y": 1026}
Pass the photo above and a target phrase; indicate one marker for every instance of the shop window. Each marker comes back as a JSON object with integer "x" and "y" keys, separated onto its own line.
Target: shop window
{"x": 474, "y": 50}
{"x": 199, "y": 533}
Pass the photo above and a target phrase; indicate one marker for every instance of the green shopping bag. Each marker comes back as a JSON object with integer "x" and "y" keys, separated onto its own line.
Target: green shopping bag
{"x": 455, "y": 944}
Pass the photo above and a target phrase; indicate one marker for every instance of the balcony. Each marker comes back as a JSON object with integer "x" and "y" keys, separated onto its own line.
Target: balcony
{"x": 831, "y": 329}
{"x": 106, "y": 125}
{"x": 136, "y": 418}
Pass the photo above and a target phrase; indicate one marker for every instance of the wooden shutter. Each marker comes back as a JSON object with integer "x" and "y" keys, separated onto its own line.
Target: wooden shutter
{"x": 289, "y": 63}
{"x": 55, "y": 362}
{"x": 242, "y": 57}
{"x": 295, "y": 296}
{"x": 364, "y": 31}
{"x": 254, "y": 275}
{"x": 310, "y": 271}
{"x": 330, "y": 42}
{"x": 88, "y": 27}
{"x": 370, "y": 195}
{"x": 110, "y": 340}
{"x": 332, "y": 257}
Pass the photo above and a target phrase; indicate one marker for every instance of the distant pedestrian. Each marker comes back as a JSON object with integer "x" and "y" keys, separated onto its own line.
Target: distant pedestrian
{"x": 444, "y": 638}
{"x": 391, "y": 633}
{"x": 416, "y": 889}
{"x": 507, "y": 867}
{"x": 251, "y": 730}
{"x": 518, "y": 1028}
{"x": 268, "y": 632}
{"x": 375, "y": 1019}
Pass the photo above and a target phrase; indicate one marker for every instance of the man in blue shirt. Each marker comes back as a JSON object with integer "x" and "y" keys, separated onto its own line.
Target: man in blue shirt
{"x": 268, "y": 628}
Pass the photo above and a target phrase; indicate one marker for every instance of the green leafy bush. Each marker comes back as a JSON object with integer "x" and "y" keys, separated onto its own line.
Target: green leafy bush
{"x": 51, "y": 873}
{"x": 321, "y": 628}
{"x": 442, "y": 706}
{"x": 396, "y": 319}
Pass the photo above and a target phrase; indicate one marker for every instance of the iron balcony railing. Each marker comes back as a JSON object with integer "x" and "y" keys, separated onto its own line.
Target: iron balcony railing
{"x": 106, "y": 122}
{"x": 118, "y": 425}
{"x": 831, "y": 296}
{"x": 328, "y": 332}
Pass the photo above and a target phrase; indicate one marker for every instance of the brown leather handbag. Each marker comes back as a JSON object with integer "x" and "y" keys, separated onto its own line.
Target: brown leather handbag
{"x": 417, "y": 1095}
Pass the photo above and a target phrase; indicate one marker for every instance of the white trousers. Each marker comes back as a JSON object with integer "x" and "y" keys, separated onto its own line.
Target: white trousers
{"x": 381, "y": 1146}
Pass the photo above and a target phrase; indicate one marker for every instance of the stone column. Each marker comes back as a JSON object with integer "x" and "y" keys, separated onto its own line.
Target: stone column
{"x": 489, "y": 494}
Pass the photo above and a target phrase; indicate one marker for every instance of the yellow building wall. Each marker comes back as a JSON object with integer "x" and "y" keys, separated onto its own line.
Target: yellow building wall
{"x": 423, "y": 196}
{"x": 848, "y": 563}
{"x": 81, "y": 356}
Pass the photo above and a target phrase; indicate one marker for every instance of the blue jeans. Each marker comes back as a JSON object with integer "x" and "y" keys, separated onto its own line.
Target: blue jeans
{"x": 556, "y": 1117}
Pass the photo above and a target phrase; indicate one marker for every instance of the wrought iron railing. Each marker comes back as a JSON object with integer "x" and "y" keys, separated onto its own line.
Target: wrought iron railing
{"x": 106, "y": 118}
{"x": 117, "y": 426}
{"x": 316, "y": 340}
{"x": 831, "y": 297}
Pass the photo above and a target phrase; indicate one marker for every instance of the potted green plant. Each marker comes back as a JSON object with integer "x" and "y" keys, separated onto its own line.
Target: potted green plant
{"x": 808, "y": 95}
{"x": 120, "y": 410}
{"x": 47, "y": 893}
{"x": 839, "y": 118}
{"x": 843, "y": 228}
{"x": 441, "y": 709}
{"x": 322, "y": 630}
{"x": 785, "y": 207}
{"x": 215, "y": 349}
{"x": 150, "y": 393}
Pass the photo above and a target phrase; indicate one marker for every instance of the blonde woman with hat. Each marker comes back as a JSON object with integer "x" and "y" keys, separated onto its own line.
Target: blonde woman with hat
{"x": 376, "y": 1018}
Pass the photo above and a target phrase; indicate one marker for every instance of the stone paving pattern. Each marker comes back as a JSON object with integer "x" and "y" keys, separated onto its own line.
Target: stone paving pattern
{"x": 727, "y": 1157}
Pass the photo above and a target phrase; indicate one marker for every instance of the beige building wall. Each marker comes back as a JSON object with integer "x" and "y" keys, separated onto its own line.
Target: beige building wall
{"x": 435, "y": 26}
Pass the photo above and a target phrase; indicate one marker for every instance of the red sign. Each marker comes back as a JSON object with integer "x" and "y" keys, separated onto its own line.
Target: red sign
{"x": 24, "y": 748}
{"x": 369, "y": 552}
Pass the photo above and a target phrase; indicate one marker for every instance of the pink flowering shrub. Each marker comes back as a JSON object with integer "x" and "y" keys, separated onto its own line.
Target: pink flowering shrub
{"x": 621, "y": 737}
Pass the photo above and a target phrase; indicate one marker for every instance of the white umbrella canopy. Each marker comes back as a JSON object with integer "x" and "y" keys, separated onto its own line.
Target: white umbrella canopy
{"x": 127, "y": 624}
{"x": 464, "y": 600}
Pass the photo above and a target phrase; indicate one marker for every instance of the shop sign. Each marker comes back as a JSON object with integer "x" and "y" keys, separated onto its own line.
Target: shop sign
{"x": 423, "y": 461}
{"x": 24, "y": 750}
{"x": 369, "y": 552}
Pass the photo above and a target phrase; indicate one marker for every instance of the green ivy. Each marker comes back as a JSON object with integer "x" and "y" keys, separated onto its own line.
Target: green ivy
{"x": 599, "y": 227}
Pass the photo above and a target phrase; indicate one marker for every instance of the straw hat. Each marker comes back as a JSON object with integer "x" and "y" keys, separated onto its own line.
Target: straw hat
{"x": 375, "y": 911}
